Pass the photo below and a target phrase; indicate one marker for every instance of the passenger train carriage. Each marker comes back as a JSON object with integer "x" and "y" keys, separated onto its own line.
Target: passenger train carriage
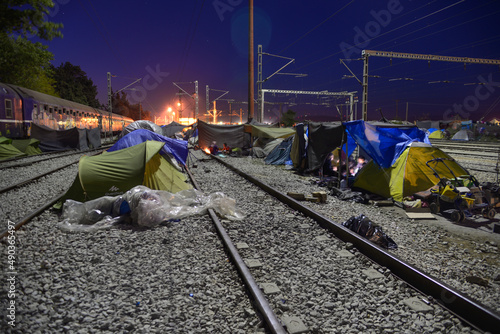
{"x": 20, "y": 107}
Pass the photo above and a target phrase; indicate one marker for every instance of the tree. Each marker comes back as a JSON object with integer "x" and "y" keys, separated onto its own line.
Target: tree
{"x": 23, "y": 62}
{"x": 72, "y": 83}
{"x": 122, "y": 106}
{"x": 288, "y": 118}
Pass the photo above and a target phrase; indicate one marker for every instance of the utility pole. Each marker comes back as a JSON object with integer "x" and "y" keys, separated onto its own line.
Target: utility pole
{"x": 110, "y": 102}
{"x": 196, "y": 99}
{"x": 365, "y": 87}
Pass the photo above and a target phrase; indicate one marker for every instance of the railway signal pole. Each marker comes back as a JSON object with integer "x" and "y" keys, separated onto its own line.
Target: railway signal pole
{"x": 195, "y": 97}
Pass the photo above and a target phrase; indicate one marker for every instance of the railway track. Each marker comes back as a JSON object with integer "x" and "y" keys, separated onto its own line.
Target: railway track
{"x": 313, "y": 281}
{"x": 47, "y": 156}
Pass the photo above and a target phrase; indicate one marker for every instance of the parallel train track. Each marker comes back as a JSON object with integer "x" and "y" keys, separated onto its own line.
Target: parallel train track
{"x": 386, "y": 265}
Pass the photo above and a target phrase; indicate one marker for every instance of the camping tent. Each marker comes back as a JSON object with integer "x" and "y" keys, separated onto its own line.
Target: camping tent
{"x": 384, "y": 142}
{"x": 463, "y": 134}
{"x": 7, "y": 150}
{"x": 114, "y": 173}
{"x": 433, "y": 133}
{"x": 281, "y": 153}
{"x": 142, "y": 124}
{"x": 409, "y": 174}
{"x": 28, "y": 146}
{"x": 173, "y": 147}
{"x": 171, "y": 129}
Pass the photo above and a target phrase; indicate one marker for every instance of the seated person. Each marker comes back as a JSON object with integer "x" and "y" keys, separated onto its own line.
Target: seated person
{"x": 226, "y": 149}
{"x": 360, "y": 164}
{"x": 213, "y": 148}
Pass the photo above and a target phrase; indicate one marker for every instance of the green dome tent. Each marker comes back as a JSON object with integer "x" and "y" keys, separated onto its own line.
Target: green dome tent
{"x": 114, "y": 173}
{"x": 7, "y": 150}
{"x": 28, "y": 146}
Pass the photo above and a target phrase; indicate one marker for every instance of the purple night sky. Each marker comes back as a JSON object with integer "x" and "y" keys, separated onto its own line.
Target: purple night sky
{"x": 182, "y": 41}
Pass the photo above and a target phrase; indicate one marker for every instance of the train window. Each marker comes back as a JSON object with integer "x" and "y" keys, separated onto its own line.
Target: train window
{"x": 8, "y": 109}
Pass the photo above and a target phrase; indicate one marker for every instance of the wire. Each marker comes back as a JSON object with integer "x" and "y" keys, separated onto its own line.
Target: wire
{"x": 317, "y": 26}
{"x": 186, "y": 40}
{"x": 383, "y": 34}
{"x": 191, "y": 40}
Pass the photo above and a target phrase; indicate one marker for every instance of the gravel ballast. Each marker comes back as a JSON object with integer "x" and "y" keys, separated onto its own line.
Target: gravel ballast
{"x": 176, "y": 278}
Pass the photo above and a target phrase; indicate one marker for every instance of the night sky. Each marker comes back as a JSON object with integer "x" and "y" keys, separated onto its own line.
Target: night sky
{"x": 182, "y": 41}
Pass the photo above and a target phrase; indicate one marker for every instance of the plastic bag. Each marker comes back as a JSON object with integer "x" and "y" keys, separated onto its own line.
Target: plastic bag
{"x": 144, "y": 207}
{"x": 363, "y": 226}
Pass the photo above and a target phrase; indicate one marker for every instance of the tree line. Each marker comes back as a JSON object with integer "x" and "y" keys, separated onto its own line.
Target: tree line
{"x": 26, "y": 63}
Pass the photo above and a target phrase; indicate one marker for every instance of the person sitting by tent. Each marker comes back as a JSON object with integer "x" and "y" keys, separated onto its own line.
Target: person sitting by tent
{"x": 226, "y": 149}
{"x": 328, "y": 167}
{"x": 361, "y": 163}
{"x": 213, "y": 148}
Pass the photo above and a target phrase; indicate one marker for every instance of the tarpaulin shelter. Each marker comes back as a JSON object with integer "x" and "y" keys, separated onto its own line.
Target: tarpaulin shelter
{"x": 94, "y": 137}
{"x": 114, "y": 173}
{"x": 59, "y": 140}
{"x": 409, "y": 174}
{"x": 28, "y": 146}
{"x": 142, "y": 124}
{"x": 384, "y": 142}
{"x": 7, "y": 150}
{"x": 233, "y": 135}
{"x": 281, "y": 153}
{"x": 173, "y": 147}
{"x": 171, "y": 129}
{"x": 299, "y": 145}
{"x": 271, "y": 132}
{"x": 463, "y": 134}
{"x": 323, "y": 138}
{"x": 267, "y": 138}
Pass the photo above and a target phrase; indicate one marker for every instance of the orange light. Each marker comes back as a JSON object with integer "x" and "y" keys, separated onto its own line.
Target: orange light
{"x": 207, "y": 150}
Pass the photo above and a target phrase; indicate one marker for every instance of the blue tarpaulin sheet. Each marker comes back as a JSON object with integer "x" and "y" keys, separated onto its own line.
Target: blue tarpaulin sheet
{"x": 384, "y": 144}
{"x": 177, "y": 148}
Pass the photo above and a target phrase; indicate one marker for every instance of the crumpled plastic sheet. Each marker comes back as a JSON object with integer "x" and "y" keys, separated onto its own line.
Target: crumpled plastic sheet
{"x": 363, "y": 226}
{"x": 144, "y": 207}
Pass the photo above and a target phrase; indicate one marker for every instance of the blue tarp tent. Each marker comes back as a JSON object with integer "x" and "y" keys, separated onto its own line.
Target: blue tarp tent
{"x": 175, "y": 147}
{"x": 383, "y": 142}
{"x": 281, "y": 153}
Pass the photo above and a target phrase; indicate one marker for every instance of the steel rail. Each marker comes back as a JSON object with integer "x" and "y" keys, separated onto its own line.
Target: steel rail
{"x": 464, "y": 307}
{"x": 31, "y": 215}
{"x": 24, "y": 164}
{"x": 260, "y": 300}
{"x": 22, "y": 183}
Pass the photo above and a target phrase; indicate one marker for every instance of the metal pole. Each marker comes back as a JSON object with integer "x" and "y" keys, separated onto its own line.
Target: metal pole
{"x": 196, "y": 99}
{"x": 259, "y": 81}
{"x": 365, "y": 87}
{"x": 250, "y": 62}
{"x": 351, "y": 100}
{"x": 110, "y": 104}
{"x": 262, "y": 108}
{"x": 207, "y": 100}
